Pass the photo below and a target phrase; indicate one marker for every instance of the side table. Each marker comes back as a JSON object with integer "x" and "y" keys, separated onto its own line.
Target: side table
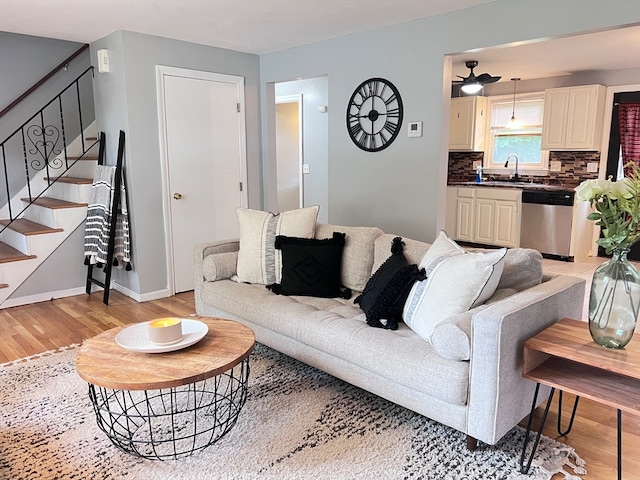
{"x": 168, "y": 405}
{"x": 565, "y": 357}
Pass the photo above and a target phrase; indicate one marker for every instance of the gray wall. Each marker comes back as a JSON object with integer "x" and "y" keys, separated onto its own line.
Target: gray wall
{"x": 315, "y": 139}
{"x": 24, "y": 60}
{"x": 126, "y": 100}
{"x": 401, "y": 189}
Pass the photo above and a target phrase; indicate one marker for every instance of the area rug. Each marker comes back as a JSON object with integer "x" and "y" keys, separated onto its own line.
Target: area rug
{"x": 297, "y": 423}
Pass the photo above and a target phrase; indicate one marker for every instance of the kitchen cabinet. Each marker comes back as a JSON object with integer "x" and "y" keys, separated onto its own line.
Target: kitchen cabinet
{"x": 467, "y": 124}
{"x": 485, "y": 215}
{"x": 573, "y": 118}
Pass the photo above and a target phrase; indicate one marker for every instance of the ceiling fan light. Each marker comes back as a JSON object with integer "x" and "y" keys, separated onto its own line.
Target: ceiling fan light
{"x": 471, "y": 87}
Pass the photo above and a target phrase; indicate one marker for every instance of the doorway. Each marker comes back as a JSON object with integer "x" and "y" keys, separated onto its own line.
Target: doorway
{"x": 289, "y": 152}
{"x": 203, "y": 148}
{"x": 313, "y": 94}
{"x": 613, "y": 154}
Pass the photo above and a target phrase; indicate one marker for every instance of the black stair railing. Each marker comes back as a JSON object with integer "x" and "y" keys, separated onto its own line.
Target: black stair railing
{"x": 40, "y": 147}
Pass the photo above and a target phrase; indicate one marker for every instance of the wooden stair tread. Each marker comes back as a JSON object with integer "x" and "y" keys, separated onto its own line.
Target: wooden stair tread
{"x": 54, "y": 203}
{"x": 10, "y": 254}
{"x": 27, "y": 227}
{"x": 86, "y": 157}
{"x": 74, "y": 180}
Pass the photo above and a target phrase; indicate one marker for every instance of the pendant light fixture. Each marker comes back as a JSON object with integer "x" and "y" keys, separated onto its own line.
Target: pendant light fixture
{"x": 513, "y": 123}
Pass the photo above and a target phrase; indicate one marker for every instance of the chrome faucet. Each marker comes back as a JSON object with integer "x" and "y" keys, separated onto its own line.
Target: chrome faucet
{"x": 515, "y": 175}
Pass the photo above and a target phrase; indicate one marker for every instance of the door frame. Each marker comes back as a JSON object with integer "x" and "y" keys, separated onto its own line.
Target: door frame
{"x": 163, "y": 71}
{"x": 604, "y": 149}
{"x": 296, "y": 98}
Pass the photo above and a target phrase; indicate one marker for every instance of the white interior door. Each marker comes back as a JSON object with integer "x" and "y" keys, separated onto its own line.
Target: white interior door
{"x": 204, "y": 148}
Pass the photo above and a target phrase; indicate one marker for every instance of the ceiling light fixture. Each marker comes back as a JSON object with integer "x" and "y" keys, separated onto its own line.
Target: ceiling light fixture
{"x": 471, "y": 87}
{"x": 513, "y": 123}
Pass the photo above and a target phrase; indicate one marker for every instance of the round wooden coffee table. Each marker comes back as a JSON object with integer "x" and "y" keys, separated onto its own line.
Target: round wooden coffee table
{"x": 168, "y": 405}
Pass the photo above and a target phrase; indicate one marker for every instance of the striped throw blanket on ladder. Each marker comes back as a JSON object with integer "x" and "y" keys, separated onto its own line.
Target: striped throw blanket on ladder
{"x": 98, "y": 223}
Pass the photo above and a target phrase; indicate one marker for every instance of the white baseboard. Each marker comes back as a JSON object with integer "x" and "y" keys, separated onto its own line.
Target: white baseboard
{"x": 45, "y": 297}
{"x": 41, "y": 297}
{"x": 140, "y": 298}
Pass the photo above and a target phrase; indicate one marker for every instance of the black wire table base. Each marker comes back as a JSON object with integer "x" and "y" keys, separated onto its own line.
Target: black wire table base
{"x": 172, "y": 423}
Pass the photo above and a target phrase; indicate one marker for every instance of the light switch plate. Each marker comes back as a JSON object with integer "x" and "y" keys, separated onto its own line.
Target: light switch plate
{"x": 414, "y": 129}
{"x": 556, "y": 166}
{"x": 592, "y": 167}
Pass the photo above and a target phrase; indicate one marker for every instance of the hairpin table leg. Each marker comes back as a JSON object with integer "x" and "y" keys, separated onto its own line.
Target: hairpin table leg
{"x": 619, "y": 444}
{"x": 539, "y": 434}
{"x": 573, "y": 415}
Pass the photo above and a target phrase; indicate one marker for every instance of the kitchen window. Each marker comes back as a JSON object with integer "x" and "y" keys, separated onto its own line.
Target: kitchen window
{"x": 522, "y": 139}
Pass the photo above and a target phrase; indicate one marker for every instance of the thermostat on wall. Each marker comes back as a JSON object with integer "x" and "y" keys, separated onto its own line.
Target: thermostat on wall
{"x": 414, "y": 129}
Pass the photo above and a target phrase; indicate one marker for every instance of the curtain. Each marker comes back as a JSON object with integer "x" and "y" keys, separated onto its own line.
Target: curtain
{"x": 629, "y": 118}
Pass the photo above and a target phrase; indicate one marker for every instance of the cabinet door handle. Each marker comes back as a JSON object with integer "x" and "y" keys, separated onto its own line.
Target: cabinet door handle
{"x": 177, "y": 196}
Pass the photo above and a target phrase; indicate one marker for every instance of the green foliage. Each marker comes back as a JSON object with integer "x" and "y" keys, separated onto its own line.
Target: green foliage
{"x": 617, "y": 209}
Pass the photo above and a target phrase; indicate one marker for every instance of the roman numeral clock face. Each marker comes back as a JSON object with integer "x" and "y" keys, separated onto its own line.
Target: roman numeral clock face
{"x": 374, "y": 114}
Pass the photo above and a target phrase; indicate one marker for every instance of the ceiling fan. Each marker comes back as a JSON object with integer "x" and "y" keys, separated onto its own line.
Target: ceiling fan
{"x": 473, "y": 83}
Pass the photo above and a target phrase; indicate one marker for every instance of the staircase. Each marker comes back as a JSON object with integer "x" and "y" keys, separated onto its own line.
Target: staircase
{"x": 27, "y": 241}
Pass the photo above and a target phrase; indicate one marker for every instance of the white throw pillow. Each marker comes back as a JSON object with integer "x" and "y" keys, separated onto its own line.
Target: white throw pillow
{"x": 258, "y": 260}
{"x": 456, "y": 282}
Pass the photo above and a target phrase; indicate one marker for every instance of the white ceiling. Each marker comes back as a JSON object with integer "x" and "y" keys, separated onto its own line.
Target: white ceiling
{"x": 264, "y": 26}
{"x": 252, "y": 26}
{"x": 606, "y": 50}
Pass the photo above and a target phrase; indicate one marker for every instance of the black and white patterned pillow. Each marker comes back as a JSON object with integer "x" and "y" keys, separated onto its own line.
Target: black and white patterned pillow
{"x": 386, "y": 291}
{"x": 310, "y": 266}
{"x": 258, "y": 259}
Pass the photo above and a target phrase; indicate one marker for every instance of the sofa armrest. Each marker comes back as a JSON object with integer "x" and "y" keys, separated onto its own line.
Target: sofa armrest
{"x": 203, "y": 250}
{"x": 499, "y": 397}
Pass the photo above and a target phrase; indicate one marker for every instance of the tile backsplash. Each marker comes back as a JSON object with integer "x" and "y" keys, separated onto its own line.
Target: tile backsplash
{"x": 573, "y": 171}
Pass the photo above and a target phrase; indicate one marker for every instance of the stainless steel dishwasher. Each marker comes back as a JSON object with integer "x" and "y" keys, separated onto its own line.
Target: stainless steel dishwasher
{"x": 547, "y": 221}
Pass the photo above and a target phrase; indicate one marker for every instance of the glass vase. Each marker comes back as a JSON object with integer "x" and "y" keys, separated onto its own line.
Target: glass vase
{"x": 614, "y": 301}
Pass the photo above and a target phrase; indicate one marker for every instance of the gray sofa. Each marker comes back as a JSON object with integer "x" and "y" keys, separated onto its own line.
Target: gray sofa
{"x": 468, "y": 376}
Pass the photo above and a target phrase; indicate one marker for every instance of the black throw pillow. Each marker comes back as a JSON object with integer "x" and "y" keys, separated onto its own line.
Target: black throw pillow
{"x": 388, "y": 288}
{"x": 311, "y": 266}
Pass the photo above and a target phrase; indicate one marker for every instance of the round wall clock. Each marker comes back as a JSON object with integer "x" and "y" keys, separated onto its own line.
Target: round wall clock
{"x": 374, "y": 114}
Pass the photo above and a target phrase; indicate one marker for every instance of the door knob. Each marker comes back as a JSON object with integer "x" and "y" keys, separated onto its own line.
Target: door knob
{"x": 177, "y": 196}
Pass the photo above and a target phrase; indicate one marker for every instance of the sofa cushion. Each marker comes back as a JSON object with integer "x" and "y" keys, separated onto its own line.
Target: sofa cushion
{"x": 219, "y": 266}
{"x": 386, "y": 291}
{"x": 258, "y": 260}
{"x": 310, "y": 266}
{"x": 357, "y": 256}
{"x": 337, "y": 327}
{"x": 413, "y": 250}
{"x": 456, "y": 282}
{"x": 522, "y": 269}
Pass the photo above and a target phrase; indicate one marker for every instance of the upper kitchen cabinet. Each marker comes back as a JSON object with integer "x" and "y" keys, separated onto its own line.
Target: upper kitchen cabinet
{"x": 573, "y": 118}
{"x": 467, "y": 124}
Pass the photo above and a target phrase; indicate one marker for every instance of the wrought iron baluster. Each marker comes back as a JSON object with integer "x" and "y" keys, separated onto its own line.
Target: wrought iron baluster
{"x": 26, "y": 166}
{"x": 64, "y": 139}
{"x": 80, "y": 114}
{"x": 6, "y": 182}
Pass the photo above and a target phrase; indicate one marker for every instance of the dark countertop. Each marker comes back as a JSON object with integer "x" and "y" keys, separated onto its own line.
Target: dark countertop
{"x": 520, "y": 185}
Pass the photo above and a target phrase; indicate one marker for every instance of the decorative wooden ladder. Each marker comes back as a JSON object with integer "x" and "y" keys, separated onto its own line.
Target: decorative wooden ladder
{"x": 115, "y": 206}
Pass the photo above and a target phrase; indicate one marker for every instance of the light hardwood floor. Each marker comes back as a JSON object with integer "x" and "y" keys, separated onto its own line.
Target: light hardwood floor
{"x": 45, "y": 326}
